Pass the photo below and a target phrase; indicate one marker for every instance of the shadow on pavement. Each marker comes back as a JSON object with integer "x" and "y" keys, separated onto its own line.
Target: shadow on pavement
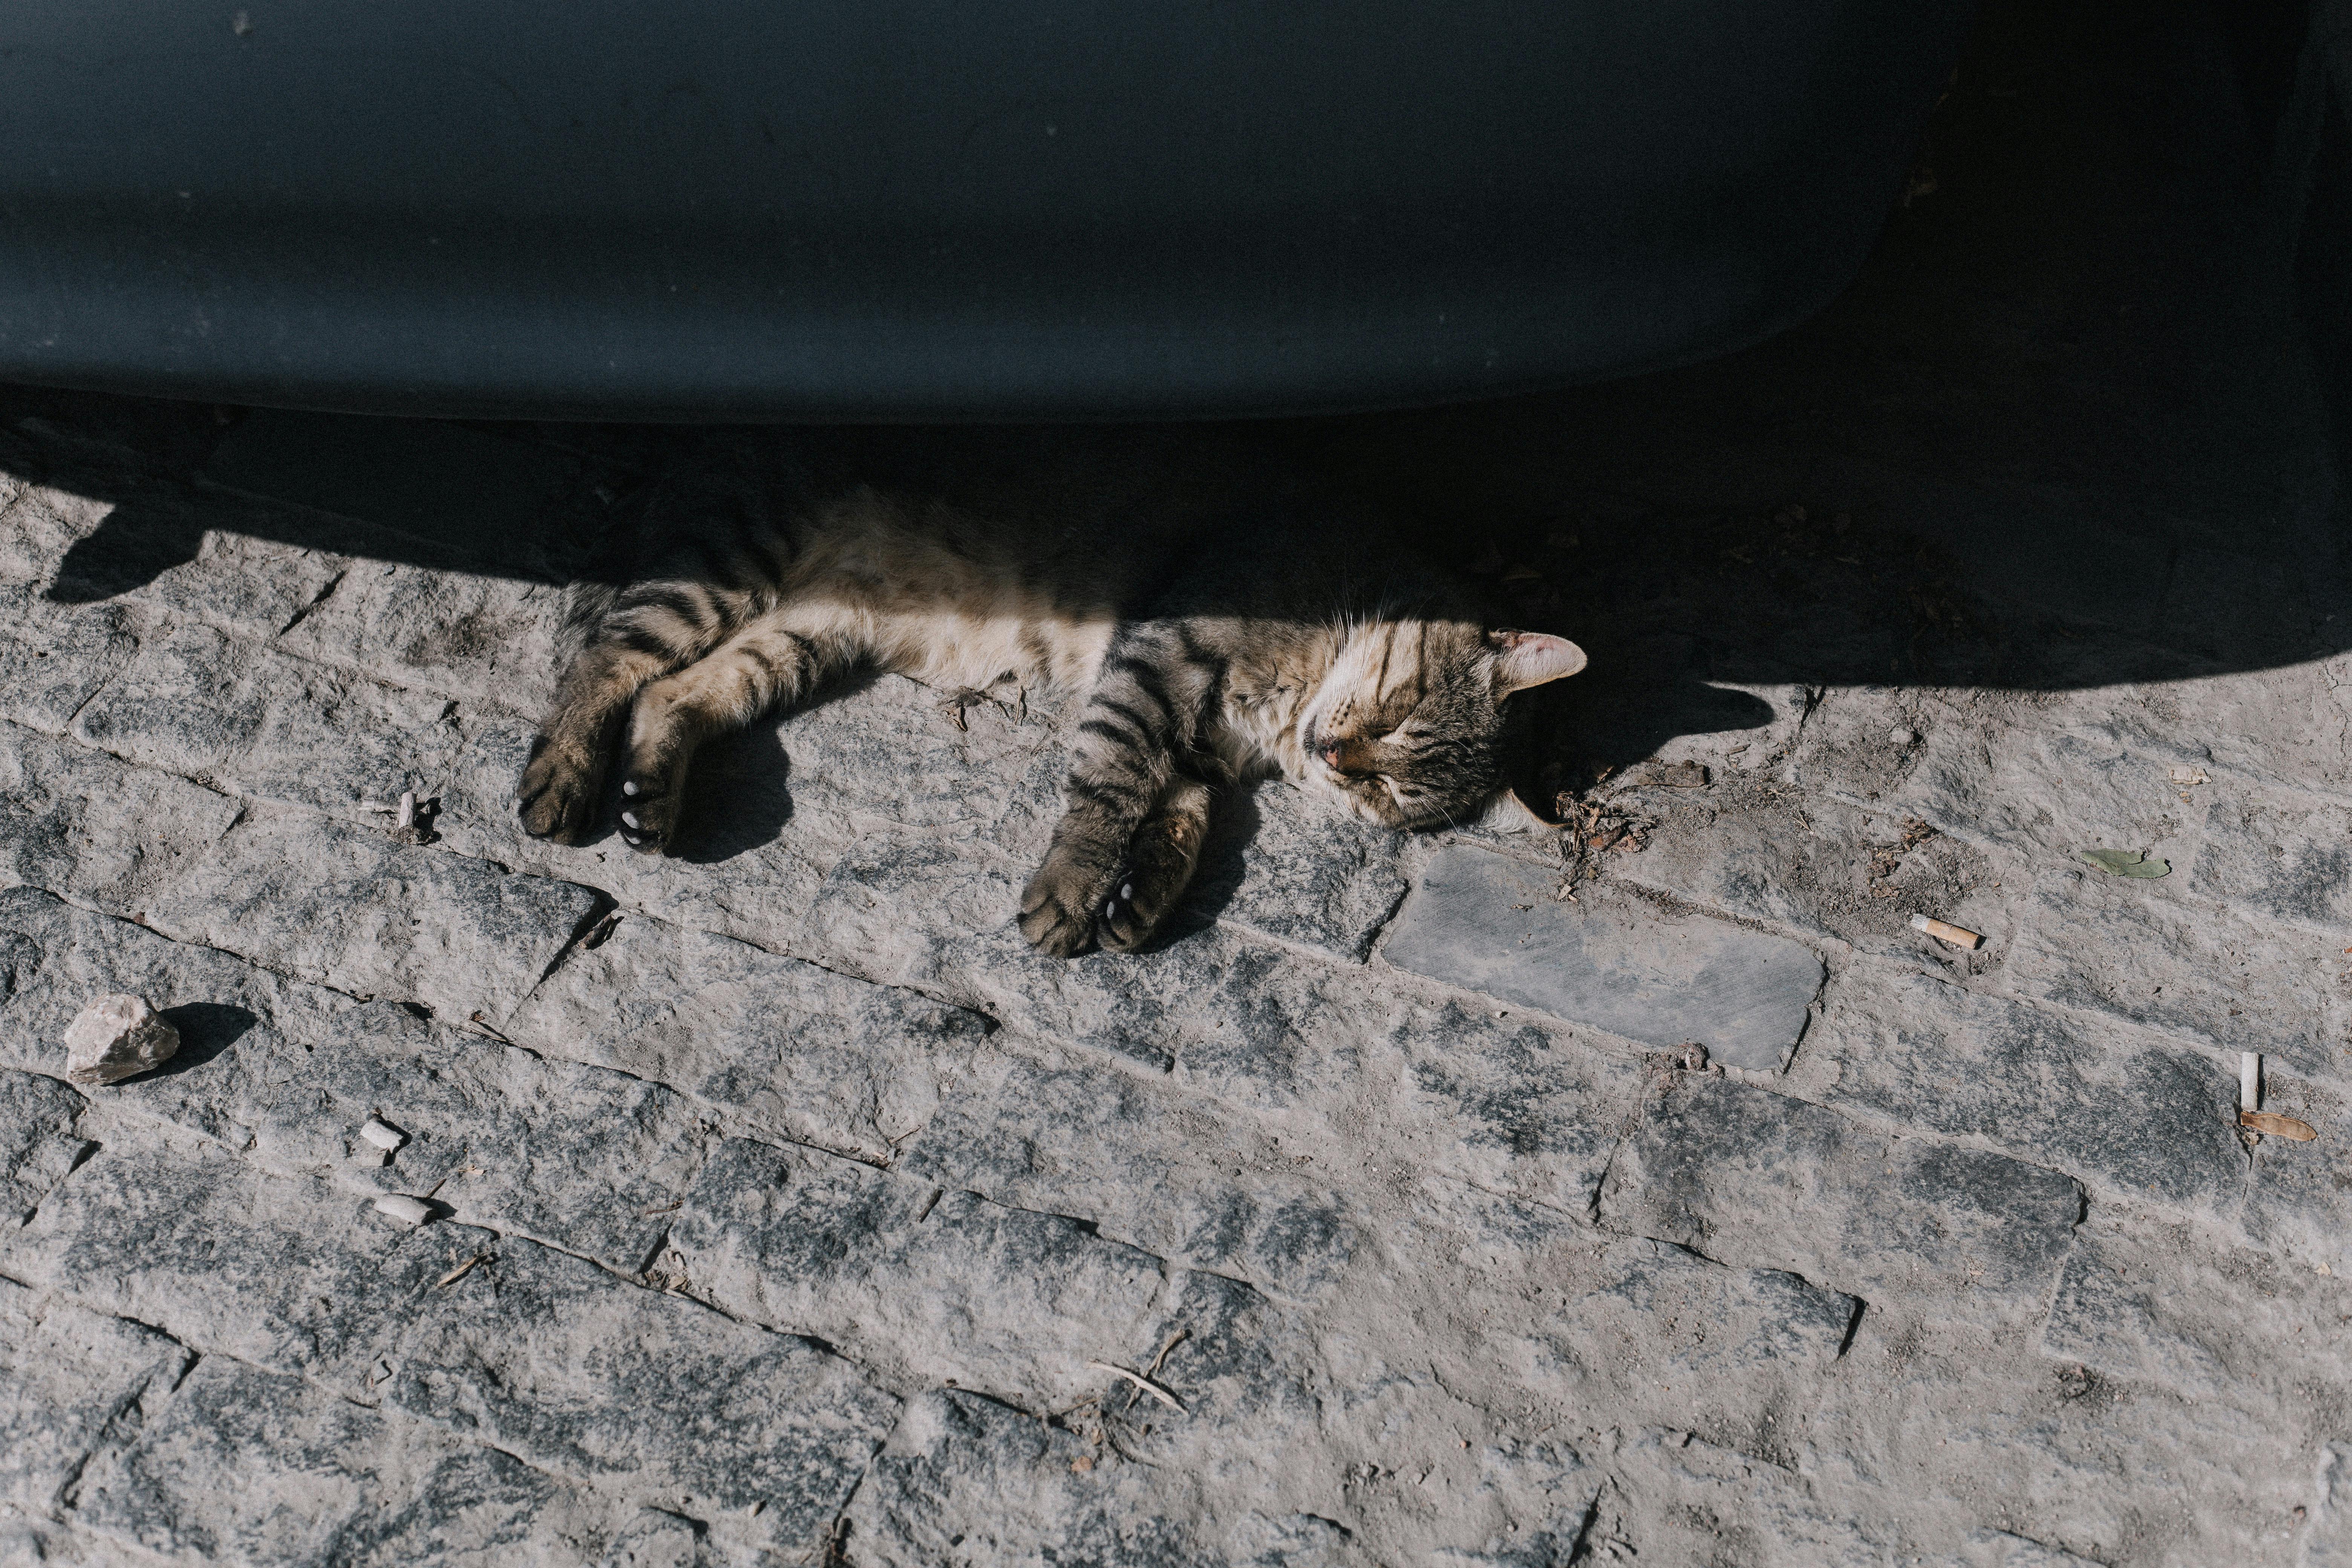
{"x": 2062, "y": 432}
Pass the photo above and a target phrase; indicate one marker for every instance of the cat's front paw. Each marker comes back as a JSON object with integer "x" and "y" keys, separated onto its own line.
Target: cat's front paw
{"x": 1057, "y": 908}
{"x": 648, "y": 812}
{"x": 557, "y": 795}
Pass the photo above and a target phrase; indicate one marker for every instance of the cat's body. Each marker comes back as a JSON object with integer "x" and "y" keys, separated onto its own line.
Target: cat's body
{"x": 1218, "y": 625}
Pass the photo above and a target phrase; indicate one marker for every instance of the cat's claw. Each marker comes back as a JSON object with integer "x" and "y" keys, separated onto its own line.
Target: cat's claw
{"x": 647, "y": 822}
{"x": 1124, "y": 927}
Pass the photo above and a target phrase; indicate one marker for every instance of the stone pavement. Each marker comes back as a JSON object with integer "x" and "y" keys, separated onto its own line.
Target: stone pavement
{"x": 786, "y": 1209}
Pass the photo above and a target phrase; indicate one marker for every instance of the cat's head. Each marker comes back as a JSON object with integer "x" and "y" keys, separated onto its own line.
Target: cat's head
{"x": 1407, "y": 726}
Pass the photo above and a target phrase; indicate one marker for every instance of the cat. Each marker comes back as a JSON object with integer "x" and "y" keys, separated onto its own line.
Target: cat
{"x": 1221, "y": 620}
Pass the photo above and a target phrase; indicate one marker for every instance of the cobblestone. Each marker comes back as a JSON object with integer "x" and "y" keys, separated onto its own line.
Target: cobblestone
{"x": 1746, "y": 1176}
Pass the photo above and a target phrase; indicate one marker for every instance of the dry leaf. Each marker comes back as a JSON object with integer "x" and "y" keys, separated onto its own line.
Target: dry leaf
{"x": 2277, "y": 1126}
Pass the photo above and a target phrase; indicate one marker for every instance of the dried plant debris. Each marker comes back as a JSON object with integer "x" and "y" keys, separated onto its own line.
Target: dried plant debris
{"x": 2277, "y": 1126}
{"x": 2126, "y": 862}
{"x": 1887, "y": 859}
{"x": 1668, "y": 775}
{"x": 1595, "y": 828}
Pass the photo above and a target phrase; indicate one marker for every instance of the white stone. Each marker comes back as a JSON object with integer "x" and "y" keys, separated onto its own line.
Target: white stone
{"x": 403, "y": 1208}
{"x": 381, "y": 1133}
{"x": 115, "y": 1037}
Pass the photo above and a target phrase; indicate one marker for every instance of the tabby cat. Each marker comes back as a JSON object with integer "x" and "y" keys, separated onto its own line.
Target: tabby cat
{"x": 1222, "y": 625}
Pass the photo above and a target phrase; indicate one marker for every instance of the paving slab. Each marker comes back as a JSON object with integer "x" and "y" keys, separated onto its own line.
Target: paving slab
{"x": 1487, "y": 923}
{"x": 1549, "y": 1321}
{"x": 40, "y": 1141}
{"x": 2298, "y": 1199}
{"x": 2041, "y": 793}
{"x": 811, "y": 1055}
{"x": 1675, "y": 1497}
{"x": 251, "y": 1466}
{"x": 242, "y": 1029}
{"x": 59, "y": 655}
{"x": 2280, "y": 856}
{"x": 249, "y": 587}
{"x": 73, "y": 1386}
{"x": 42, "y": 522}
{"x": 1991, "y": 1434}
{"x": 350, "y": 908}
{"x": 1537, "y": 1498}
{"x": 589, "y": 1160}
{"x": 80, "y": 823}
{"x": 1222, "y": 1011}
{"x": 263, "y": 724}
{"x": 936, "y": 1287}
{"x": 1286, "y": 866}
{"x": 2125, "y": 1111}
{"x": 1174, "y": 1174}
{"x": 1505, "y": 1100}
{"x": 551, "y": 1359}
{"x": 286, "y": 1273}
{"x": 2204, "y": 972}
{"x": 1750, "y": 1177}
{"x": 965, "y": 1474}
{"x": 1737, "y": 1351}
{"x": 482, "y": 640}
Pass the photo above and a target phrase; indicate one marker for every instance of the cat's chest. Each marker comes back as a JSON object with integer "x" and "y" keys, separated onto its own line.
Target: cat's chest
{"x": 1255, "y": 732}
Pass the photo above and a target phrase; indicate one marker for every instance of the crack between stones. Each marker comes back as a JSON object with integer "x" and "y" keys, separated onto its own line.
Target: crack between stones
{"x": 320, "y": 597}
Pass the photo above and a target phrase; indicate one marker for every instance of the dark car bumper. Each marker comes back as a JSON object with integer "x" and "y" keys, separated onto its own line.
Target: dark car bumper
{"x": 921, "y": 211}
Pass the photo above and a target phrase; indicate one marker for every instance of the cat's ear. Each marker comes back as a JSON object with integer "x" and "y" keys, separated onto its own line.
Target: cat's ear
{"x": 1530, "y": 658}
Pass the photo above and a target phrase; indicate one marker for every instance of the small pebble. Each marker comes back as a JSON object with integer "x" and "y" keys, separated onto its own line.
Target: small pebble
{"x": 381, "y": 1134}
{"x": 116, "y": 1037}
{"x": 403, "y": 1208}
{"x": 1902, "y": 737}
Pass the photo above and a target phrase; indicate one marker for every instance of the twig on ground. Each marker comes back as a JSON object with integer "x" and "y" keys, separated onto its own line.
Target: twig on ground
{"x": 1142, "y": 1383}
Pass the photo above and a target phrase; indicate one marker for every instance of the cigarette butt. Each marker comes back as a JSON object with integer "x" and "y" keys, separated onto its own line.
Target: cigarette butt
{"x": 407, "y": 813}
{"x": 404, "y": 1209}
{"x": 2250, "y": 1081}
{"x": 2277, "y": 1126}
{"x": 381, "y": 1133}
{"x": 1944, "y": 931}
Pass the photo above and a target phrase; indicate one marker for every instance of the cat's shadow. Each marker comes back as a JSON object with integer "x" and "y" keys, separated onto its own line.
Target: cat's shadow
{"x": 738, "y": 797}
{"x": 1224, "y": 861}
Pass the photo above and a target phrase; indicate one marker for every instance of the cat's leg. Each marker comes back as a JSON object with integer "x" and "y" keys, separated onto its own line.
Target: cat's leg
{"x": 1145, "y": 708}
{"x": 638, "y": 641}
{"x": 765, "y": 665}
{"x": 1159, "y": 865}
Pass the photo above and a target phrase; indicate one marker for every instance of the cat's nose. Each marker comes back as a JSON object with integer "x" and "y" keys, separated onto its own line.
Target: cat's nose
{"x": 1331, "y": 753}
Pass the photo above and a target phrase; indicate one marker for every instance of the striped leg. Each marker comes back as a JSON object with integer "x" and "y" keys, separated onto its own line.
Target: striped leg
{"x": 1160, "y": 864}
{"x": 1145, "y": 710}
{"x": 762, "y": 667}
{"x": 640, "y": 640}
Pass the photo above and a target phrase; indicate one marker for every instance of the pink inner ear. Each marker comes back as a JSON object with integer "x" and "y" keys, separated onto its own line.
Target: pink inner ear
{"x": 1531, "y": 658}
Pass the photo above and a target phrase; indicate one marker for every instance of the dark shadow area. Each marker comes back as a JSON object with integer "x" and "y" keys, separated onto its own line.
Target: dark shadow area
{"x": 2063, "y": 431}
{"x": 738, "y": 797}
{"x": 1219, "y": 875}
{"x": 207, "y": 1029}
